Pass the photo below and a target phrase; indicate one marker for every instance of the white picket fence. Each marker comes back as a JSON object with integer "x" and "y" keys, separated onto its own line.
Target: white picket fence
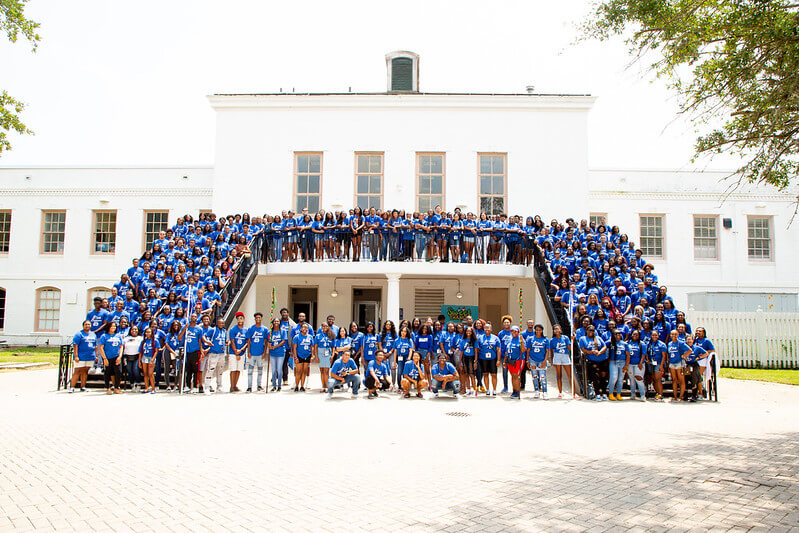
{"x": 760, "y": 339}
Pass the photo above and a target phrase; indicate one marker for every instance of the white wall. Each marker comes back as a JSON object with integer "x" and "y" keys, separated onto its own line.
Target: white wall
{"x": 129, "y": 191}
{"x": 544, "y": 137}
{"x": 625, "y": 194}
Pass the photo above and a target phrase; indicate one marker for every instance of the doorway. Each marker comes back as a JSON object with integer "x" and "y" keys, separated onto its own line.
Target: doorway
{"x": 366, "y": 307}
{"x": 303, "y": 300}
{"x": 492, "y": 305}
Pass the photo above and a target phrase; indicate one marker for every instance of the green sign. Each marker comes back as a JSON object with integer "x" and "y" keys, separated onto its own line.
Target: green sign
{"x": 458, "y": 313}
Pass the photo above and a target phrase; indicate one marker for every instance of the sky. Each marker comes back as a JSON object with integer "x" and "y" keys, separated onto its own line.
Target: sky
{"x": 125, "y": 83}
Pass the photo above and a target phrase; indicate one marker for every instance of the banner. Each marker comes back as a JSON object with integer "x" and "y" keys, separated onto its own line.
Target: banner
{"x": 458, "y": 313}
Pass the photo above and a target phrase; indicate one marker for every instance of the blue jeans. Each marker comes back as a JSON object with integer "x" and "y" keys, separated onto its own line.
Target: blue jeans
{"x": 421, "y": 242}
{"x": 452, "y": 386}
{"x": 277, "y": 370}
{"x": 354, "y": 380}
{"x": 539, "y": 376}
{"x": 616, "y": 376}
{"x": 132, "y": 367}
{"x": 252, "y": 364}
{"x": 633, "y": 372}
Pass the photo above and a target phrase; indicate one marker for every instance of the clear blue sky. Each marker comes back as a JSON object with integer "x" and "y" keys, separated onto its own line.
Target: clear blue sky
{"x": 125, "y": 82}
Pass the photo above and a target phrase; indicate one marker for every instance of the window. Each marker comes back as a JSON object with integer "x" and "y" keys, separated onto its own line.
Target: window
{"x": 492, "y": 196}
{"x": 430, "y": 175}
{"x": 307, "y": 181}
{"x": 652, "y": 236}
{"x": 369, "y": 180}
{"x": 759, "y": 237}
{"x": 104, "y": 236}
{"x": 705, "y": 237}
{"x": 5, "y": 231}
{"x": 2, "y": 308}
{"x": 402, "y": 74}
{"x": 598, "y": 219}
{"x": 53, "y": 225}
{"x": 102, "y": 292}
{"x": 48, "y": 309}
{"x": 154, "y": 223}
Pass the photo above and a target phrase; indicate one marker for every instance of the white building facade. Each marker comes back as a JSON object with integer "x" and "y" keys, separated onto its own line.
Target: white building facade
{"x": 67, "y": 234}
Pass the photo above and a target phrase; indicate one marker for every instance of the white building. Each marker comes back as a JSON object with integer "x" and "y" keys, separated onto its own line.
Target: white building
{"x": 67, "y": 233}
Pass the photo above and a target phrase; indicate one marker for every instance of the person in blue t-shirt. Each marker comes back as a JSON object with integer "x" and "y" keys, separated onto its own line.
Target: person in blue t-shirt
{"x": 488, "y": 354}
{"x": 401, "y": 351}
{"x": 445, "y": 376}
{"x": 278, "y": 344}
{"x": 595, "y": 352}
{"x": 678, "y": 354}
{"x": 256, "y": 348}
{"x": 216, "y": 340}
{"x": 191, "y": 334}
{"x": 377, "y": 375}
{"x": 148, "y": 351}
{"x": 618, "y": 361}
{"x": 656, "y": 356}
{"x": 635, "y": 370}
{"x": 514, "y": 350}
{"x": 84, "y": 345}
{"x": 303, "y": 349}
{"x": 99, "y": 317}
{"x": 325, "y": 339}
{"x": 537, "y": 346}
{"x": 109, "y": 346}
{"x": 237, "y": 342}
{"x": 467, "y": 348}
{"x": 413, "y": 376}
{"x": 560, "y": 348}
{"x": 697, "y": 354}
{"x": 344, "y": 372}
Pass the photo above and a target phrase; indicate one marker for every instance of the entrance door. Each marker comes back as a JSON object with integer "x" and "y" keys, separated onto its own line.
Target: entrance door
{"x": 364, "y": 312}
{"x": 492, "y": 305}
{"x": 303, "y": 300}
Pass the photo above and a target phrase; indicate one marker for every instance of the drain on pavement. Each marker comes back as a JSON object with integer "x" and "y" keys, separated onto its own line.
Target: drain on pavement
{"x": 458, "y": 413}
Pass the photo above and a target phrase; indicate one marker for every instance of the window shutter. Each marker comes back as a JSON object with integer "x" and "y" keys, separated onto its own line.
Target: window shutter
{"x": 401, "y": 74}
{"x": 428, "y": 302}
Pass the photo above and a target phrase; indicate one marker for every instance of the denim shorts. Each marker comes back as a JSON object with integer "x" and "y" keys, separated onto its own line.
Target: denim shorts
{"x": 680, "y": 364}
{"x": 324, "y": 357}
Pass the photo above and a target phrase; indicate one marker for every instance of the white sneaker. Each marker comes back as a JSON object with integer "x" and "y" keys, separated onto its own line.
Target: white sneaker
{"x": 354, "y": 395}
{"x": 435, "y": 395}
{"x": 71, "y": 390}
{"x": 545, "y": 396}
{"x": 329, "y": 395}
{"x": 536, "y": 395}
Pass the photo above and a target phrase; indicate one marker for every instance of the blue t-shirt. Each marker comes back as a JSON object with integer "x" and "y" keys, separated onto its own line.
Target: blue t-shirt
{"x": 304, "y": 344}
{"x": 369, "y": 346}
{"x": 490, "y": 347}
{"x": 424, "y": 342}
{"x": 149, "y": 347}
{"x": 696, "y": 351}
{"x": 275, "y": 338}
{"x": 676, "y": 349}
{"x": 381, "y": 370}
{"x": 448, "y": 370}
{"x": 655, "y": 351}
{"x": 537, "y": 347}
{"x": 218, "y": 338}
{"x": 257, "y": 337}
{"x": 238, "y": 336}
{"x": 193, "y": 335}
{"x": 410, "y": 370}
{"x": 594, "y": 344}
{"x": 403, "y": 347}
{"x": 513, "y": 348}
{"x": 620, "y": 353}
{"x": 112, "y": 345}
{"x": 635, "y": 349}
{"x": 97, "y": 318}
{"x": 467, "y": 347}
{"x": 560, "y": 345}
{"x": 341, "y": 368}
{"x": 323, "y": 341}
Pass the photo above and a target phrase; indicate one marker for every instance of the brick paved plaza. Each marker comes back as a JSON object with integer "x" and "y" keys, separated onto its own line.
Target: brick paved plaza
{"x": 298, "y": 462}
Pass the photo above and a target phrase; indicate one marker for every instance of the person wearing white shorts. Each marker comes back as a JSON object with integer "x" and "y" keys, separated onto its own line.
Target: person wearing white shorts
{"x": 237, "y": 341}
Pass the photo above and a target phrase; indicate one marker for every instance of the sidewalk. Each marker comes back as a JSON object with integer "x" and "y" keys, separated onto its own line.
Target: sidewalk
{"x": 297, "y": 461}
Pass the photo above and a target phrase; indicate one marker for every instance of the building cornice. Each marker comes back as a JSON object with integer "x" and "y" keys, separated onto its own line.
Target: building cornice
{"x": 109, "y": 192}
{"x": 690, "y": 195}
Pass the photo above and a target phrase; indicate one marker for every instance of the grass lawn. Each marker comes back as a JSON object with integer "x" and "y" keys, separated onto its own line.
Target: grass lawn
{"x": 789, "y": 377}
{"x": 24, "y": 354}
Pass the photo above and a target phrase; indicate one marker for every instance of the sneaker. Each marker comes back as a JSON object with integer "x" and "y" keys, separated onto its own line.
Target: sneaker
{"x": 71, "y": 390}
{"x": 249, "y": 389}
{"x": 612, "y": 398}
{"x": 514, "y": 395}
{"x": 435, "y": 395}
{"x": 302, "y": 389}
{"x": 212, "y": 390}
{"x": 152, "y": 391}
{"x": 261, "y": 389}
{"x": 407, "y": 395}
{"x": 296, "y": 389}
{"x": 604, "y": 397}
{"x": 504, "y": 391}
{"x": 83, "y": 389}
{"x": 329, "y": 395}
{"x": 370, "y": 396}
{"x": 109, "y": 391}
{"x": 117, "y": 391}
{"x": 186, "y": 390}
{"x": 273, "y": 389}
{"x": 575, "y": 396}
{"x": 536, "y": 395}
{"x": 419, "y": 395}
{"x": 200, "y": 390}
{"x": 560, "y": 396}
{"x": 354, "y": 395}
{"x": 545, "y": 396}
{"x": 493, "y": 393}
{"x": 488, "y": 393}
{"x": 143, "y": 391}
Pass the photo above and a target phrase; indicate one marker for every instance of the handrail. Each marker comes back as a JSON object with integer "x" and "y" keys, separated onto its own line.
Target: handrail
{"x": 241, "y": 279}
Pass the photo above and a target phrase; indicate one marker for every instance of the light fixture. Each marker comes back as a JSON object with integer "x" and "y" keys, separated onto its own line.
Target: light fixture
{"x": 333, "y": 293}
{"x": 459, "y": 295}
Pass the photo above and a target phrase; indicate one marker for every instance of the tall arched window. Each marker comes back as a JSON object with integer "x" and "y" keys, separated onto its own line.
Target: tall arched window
{"x": 48, "y": 309}
{"x": 102, "y": 292}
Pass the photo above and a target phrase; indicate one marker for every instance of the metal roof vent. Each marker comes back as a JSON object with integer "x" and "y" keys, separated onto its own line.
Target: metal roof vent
{"x": 402, "y": 72}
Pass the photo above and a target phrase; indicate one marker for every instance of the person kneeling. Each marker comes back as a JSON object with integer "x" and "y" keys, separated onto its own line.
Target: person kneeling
{"x": 445, "y": 376}
{"x": 413, "y": 376}
{"x": 343, "y": 372}
{"x": 377, "y": 373}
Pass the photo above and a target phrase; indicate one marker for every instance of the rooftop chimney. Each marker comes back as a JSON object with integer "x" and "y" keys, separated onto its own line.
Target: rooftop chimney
{"x": 402, "y": 72}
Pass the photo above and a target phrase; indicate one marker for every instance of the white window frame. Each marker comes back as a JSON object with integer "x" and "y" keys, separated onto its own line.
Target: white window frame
{"x": 715, "y": 219}
{"x": 370, "y": 174}
{"x": 770, "y": 219}
{"x": 38, "y": 310}
{"x": 294, "y": 192}
{"x": 419, "y": 174}
{"x": 95, "y": 214}
{"x": 662, "y": 218}
{"x": 480, "y": 175}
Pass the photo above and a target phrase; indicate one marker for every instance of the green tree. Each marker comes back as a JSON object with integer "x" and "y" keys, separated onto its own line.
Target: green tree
{"x": 14, "y": 24}
{"x": 735, "y": 65}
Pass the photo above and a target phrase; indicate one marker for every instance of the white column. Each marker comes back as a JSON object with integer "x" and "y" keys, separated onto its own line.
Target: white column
{"x": 393, "y": 298}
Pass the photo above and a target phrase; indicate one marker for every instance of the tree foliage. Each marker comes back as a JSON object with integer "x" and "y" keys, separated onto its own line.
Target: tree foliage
{"x": 14, "y": 24}
{"x": 735, "y": 64}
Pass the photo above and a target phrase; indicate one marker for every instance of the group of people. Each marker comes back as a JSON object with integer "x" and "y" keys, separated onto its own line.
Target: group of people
{"x": 162, "y": 314}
